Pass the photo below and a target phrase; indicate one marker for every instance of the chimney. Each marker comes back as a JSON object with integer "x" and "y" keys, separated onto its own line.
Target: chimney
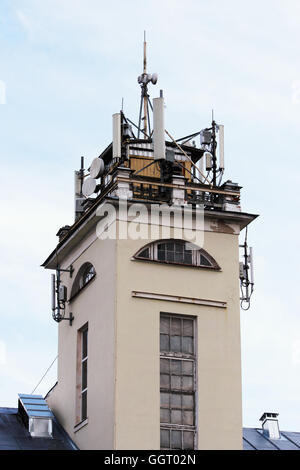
{"x": 270, "y": 425}
{"x": 63, "y": 232}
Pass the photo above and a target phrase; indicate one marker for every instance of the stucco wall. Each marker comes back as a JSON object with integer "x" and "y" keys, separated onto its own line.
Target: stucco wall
{"x": 123, "y": 353}
{"x": 137, "y": 335}
{"x": 95, "y": 305}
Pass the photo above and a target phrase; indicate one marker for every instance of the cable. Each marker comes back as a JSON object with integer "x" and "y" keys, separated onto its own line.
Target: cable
{"x": 221, "y": 176}
{"x": 184, "y": 153}
{"x": 44, "y": 375}
{"x": 186, "y": 169}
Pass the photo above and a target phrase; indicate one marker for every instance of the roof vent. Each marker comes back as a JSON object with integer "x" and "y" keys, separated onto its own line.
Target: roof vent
{"x": 270, "y": 425}
{"x": 36, "y": 415}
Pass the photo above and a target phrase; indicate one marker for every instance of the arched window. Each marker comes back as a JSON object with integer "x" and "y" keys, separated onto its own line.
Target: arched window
{"x": 85, "y": 274}
{"x": 177, "y": 252}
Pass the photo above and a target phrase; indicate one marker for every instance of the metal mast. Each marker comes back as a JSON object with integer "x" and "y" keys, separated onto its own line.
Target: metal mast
{"x": 145, "y": 95}
{"x": 143, "y": 80}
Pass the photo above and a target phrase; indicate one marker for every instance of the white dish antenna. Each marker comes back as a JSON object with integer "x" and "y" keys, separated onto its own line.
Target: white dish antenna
{"x": 89, "y": 187}
{"x": 97, "y": 168}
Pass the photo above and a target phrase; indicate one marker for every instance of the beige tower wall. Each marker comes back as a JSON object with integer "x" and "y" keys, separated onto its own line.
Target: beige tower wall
{"x": 137, "y": 338}
{"x": 95, "y": 305}
{"x": 123, "y": 353}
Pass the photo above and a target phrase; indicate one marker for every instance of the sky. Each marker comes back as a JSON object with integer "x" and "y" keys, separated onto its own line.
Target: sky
{"x": 65, "y": 67}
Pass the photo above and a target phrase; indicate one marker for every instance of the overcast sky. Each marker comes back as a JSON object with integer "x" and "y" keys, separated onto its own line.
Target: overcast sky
{"x": 65, "y": 66}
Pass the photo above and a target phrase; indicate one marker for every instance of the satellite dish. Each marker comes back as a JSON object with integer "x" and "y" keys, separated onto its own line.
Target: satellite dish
{"x": 97, "y": 168}
{"x": 89, "y": 186}
{"x": 154, "y": 78}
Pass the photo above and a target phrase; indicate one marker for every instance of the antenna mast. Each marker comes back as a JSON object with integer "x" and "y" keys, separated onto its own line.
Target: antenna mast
{"x": 214, "y": 147}
{"x": 145, "y": 97}
{"x": 143, "y": 80}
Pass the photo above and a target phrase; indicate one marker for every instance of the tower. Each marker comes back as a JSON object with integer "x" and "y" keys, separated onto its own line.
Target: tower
{"x": 146, "y": 293}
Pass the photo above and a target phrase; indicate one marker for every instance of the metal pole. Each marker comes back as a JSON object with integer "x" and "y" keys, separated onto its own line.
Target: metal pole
{"x": 140, "y": 115}
{"x": 148, "y": 115}
{"x": 145, "y": 86}
{"x": 53, "y": 293}
{"x": 214, "y": 154}
{"x": 184, "y": 153}
{"x": 246, "y": 269}
{"x": 58, "y": 316}
{"x": 81, "y": 174}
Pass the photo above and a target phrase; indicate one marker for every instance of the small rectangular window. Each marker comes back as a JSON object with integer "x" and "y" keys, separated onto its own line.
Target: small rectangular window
{"x": 84, "y": 371}
{"x": 82, "y": 374}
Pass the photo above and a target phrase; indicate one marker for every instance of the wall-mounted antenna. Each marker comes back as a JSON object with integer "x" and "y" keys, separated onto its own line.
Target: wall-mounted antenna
{"x": 143, "y": 80}
{"x": 59, "y": 296}
{"x": 246, "y": 275}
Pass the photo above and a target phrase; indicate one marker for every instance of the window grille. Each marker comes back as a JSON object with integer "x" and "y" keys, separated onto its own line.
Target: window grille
{"x": 177, "y": 252}
{"x": 177, "y": 382}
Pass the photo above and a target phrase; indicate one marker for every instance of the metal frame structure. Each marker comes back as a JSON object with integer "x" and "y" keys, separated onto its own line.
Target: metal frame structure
{"x": 58, "y": 305}
{"x": 246, "y": 280}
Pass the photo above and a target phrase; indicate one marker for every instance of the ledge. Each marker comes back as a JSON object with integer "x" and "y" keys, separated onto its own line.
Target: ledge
{"x": 176, "y": 298}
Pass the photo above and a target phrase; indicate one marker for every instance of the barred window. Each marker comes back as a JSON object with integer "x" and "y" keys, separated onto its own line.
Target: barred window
{"x": 177, "y": 382}
{"x": 177, "y": 252}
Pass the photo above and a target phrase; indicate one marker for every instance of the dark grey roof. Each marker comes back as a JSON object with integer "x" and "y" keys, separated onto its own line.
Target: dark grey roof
{"x": 14, "y": 435}
{"x": 254, "y": 439}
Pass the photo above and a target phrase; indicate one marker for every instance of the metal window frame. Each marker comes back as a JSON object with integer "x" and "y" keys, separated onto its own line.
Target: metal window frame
{"x": 88, "y": 275}
{"x": 183, "y": 356}
{"x": 181, "y": 430}
{"x": 196, "y": 255}
{"x": 83, "y": 359}
{"x": 80, "y": 281}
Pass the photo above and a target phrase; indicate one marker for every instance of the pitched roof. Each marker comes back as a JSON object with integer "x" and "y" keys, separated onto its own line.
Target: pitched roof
{"x": 14, "y": 435}
{"x": 255, "y": 439}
